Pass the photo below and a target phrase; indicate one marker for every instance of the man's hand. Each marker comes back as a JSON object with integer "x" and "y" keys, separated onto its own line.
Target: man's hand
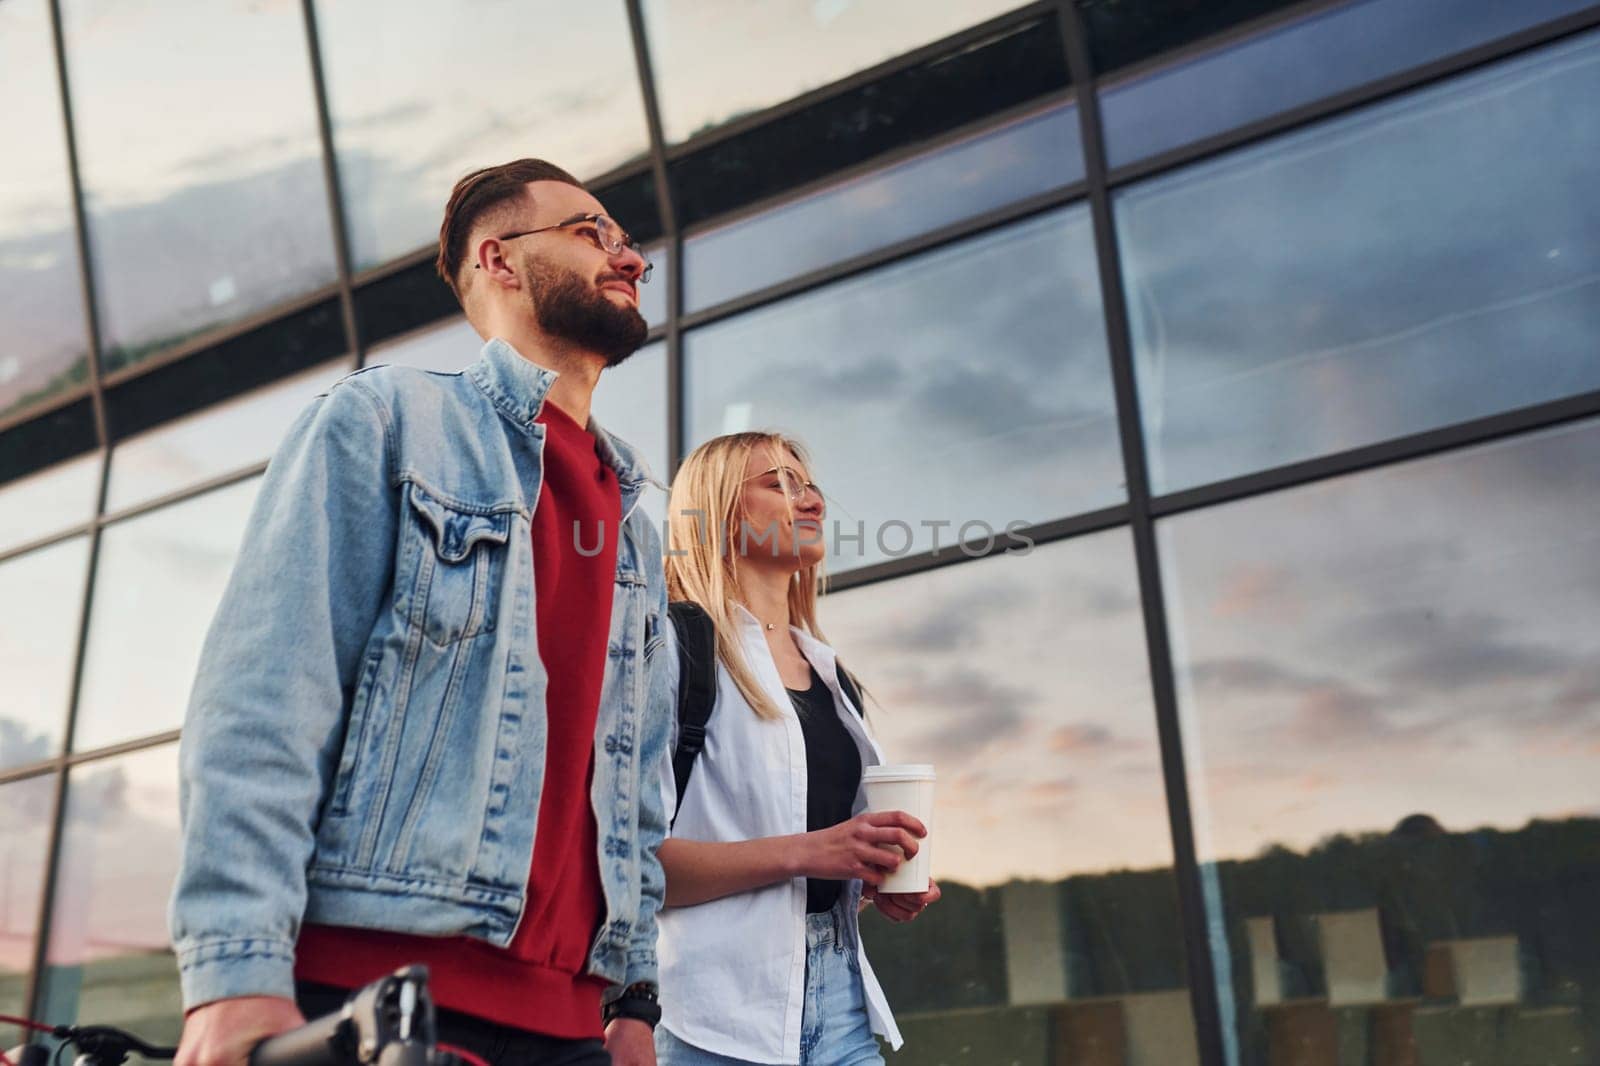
{"x": 630, "y": 1043}
{"x": 902, "y": 906}
{"x": 222, "y": 1033}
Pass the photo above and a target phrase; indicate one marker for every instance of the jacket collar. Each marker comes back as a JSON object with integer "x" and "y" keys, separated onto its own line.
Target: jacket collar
{"x": 514, "y": 385}
{"x": 518, "y": 389}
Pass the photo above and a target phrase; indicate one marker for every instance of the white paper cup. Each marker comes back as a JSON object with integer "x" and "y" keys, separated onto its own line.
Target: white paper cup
{"x": 904, "y": 787}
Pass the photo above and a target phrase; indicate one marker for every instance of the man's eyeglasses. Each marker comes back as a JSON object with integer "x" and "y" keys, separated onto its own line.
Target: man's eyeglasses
{"x": 605, "y": 233}
{"x": 793, "y": 485}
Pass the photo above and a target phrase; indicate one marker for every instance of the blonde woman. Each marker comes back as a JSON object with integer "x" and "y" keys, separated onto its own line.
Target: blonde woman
{"x": 770, "y": 856}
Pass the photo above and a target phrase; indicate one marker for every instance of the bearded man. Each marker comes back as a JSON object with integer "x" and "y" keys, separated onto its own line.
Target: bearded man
{"x": 427, "y": 703}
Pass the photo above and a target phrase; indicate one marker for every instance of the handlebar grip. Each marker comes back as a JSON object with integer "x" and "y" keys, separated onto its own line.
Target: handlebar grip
{"x": 320, "y": 1042}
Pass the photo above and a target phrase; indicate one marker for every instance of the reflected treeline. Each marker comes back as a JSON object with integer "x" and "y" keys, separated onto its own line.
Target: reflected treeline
{"x": 1397, "y": 948}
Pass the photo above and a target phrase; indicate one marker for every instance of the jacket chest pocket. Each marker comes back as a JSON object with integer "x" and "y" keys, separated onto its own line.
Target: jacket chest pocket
{"x": 457, "y": 563}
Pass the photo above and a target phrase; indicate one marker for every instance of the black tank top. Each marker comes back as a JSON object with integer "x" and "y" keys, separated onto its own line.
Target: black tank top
{"x": 833, "y": 774}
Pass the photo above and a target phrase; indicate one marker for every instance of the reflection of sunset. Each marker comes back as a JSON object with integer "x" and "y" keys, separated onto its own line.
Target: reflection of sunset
{"x": 1424, "y": 661}
{"x": 1035, "y": 708}
{"x": 119, "y": 857}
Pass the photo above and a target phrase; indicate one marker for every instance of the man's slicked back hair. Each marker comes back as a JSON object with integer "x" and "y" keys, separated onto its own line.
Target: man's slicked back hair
{"x": 479, "y": 192}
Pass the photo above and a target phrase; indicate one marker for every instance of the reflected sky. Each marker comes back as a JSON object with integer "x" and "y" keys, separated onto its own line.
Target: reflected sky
{"x": 198, "y": 215}
{"x": 159, "y": 581}
{"x": 945, "y": 388}
{"x": 1285, "y": 67}
{"x": 43, "y": 339}
{"x": 218, "y": 440}
{"x": 417, "y": 102}
{"x": 1364, "y": 278}
{"x": 715, "y": 60}
{"x": 41, "y": 599}
{"x": 1018, "y": 159}
{"x": 1022, "y": 678}
{"x": 1418, "y": 638}
{"x": 24, "y": 836}
{"x": 119, "y": 857}
{"x": 56, "y": 498}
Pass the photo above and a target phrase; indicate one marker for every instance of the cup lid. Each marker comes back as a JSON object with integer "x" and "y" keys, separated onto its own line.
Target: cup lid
{"x": 905, "y": 771}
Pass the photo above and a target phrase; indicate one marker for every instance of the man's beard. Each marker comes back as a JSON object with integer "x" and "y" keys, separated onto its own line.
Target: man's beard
{"x": 567, "y": 306}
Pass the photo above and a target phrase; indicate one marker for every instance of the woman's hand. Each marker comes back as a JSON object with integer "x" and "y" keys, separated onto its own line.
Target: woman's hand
{"x": 902, "y": 906}
{"x": 870, "y": 846}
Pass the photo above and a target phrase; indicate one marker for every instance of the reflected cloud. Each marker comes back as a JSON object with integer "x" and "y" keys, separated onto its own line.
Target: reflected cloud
{"x": 971, "y": 712}
{"x": 1378, "y": 313}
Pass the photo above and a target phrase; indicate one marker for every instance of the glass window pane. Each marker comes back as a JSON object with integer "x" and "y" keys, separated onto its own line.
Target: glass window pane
{"x": 715, "y": 61}
{"x": 1426, "y": 261}
{"x": 414, "y": 108}
{"x": 213, "y": 442}
{"x": 938, "y": 395}
{"x": 24, "y": 842}
{"x": 1299, "y": 63}
{"x": 448, "y": 346}
{"x": 653, "y": 293}
{"x": 1020, "y": 159}
{"x": 109, "y": 960}
{"x": 42, "y": 333}
{"x": 1392, "y": 714}
{"x": 54, "y": 499}
{"x": 204, "y": 184}
{"x": 631, "y": 401}
{"x": 42, "y": 594}
{"x": 159, "y": 581}
{"x": 1022, "y": 679}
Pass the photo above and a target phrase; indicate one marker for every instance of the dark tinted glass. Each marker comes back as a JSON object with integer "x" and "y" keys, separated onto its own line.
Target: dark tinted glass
{"x": 41, "y": 600}
{"x": 109, "y": 961}
{"x": 24, "y": 842}
{"x": 1289, "y": 64}
{"x": 940, "y": 94}
{"x": 204, "y": 184}
{"x": 1125, "y": 31}
{"x": 938, "y": 395}
{"x": 1427, "y": 261}
{"x": 43, "y": 340}
{"x": 1000, "y": 166}
{"x": 718, "y": 59}
{"x": 159, "y": 579}
{"x": 1392, "y": 704}
{"x": 414, "y": 105}
{"x": 1022, "y": 679}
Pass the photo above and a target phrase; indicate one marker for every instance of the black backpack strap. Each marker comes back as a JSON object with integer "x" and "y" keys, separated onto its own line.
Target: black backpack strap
{"x": 697, "y": 687}
{"x": 852, "y": 690}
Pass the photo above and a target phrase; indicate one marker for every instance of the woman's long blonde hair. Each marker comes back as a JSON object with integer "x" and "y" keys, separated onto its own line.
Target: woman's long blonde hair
{"x": 702, "y": 549}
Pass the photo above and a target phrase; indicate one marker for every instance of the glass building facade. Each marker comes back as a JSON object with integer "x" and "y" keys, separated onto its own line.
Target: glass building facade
{"x": 1207, "y": 395}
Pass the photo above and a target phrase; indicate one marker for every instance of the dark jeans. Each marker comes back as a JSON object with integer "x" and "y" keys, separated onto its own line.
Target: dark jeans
{"x": 498, "y": 1045}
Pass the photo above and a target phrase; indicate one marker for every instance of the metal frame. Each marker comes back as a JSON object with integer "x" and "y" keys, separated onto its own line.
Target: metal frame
{"x": 1158, "y": 647}
{"x": 1139, "y": 515}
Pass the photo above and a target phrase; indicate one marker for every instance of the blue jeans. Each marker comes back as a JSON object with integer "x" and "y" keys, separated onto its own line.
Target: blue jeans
{"x": 834, "y": 1030}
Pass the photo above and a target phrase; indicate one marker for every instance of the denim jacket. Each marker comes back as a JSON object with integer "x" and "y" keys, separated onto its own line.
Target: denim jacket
{"x": 365, "y": 741}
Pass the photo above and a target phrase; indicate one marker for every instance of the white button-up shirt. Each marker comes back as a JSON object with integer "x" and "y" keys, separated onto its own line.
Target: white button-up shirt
{"x": 733, "y": 970}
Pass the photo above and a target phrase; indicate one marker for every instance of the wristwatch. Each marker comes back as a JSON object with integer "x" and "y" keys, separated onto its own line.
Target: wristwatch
{"x": 640, "y": 1001}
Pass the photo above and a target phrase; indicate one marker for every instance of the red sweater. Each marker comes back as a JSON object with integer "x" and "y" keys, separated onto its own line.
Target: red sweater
{"x": 539, "y": 983}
